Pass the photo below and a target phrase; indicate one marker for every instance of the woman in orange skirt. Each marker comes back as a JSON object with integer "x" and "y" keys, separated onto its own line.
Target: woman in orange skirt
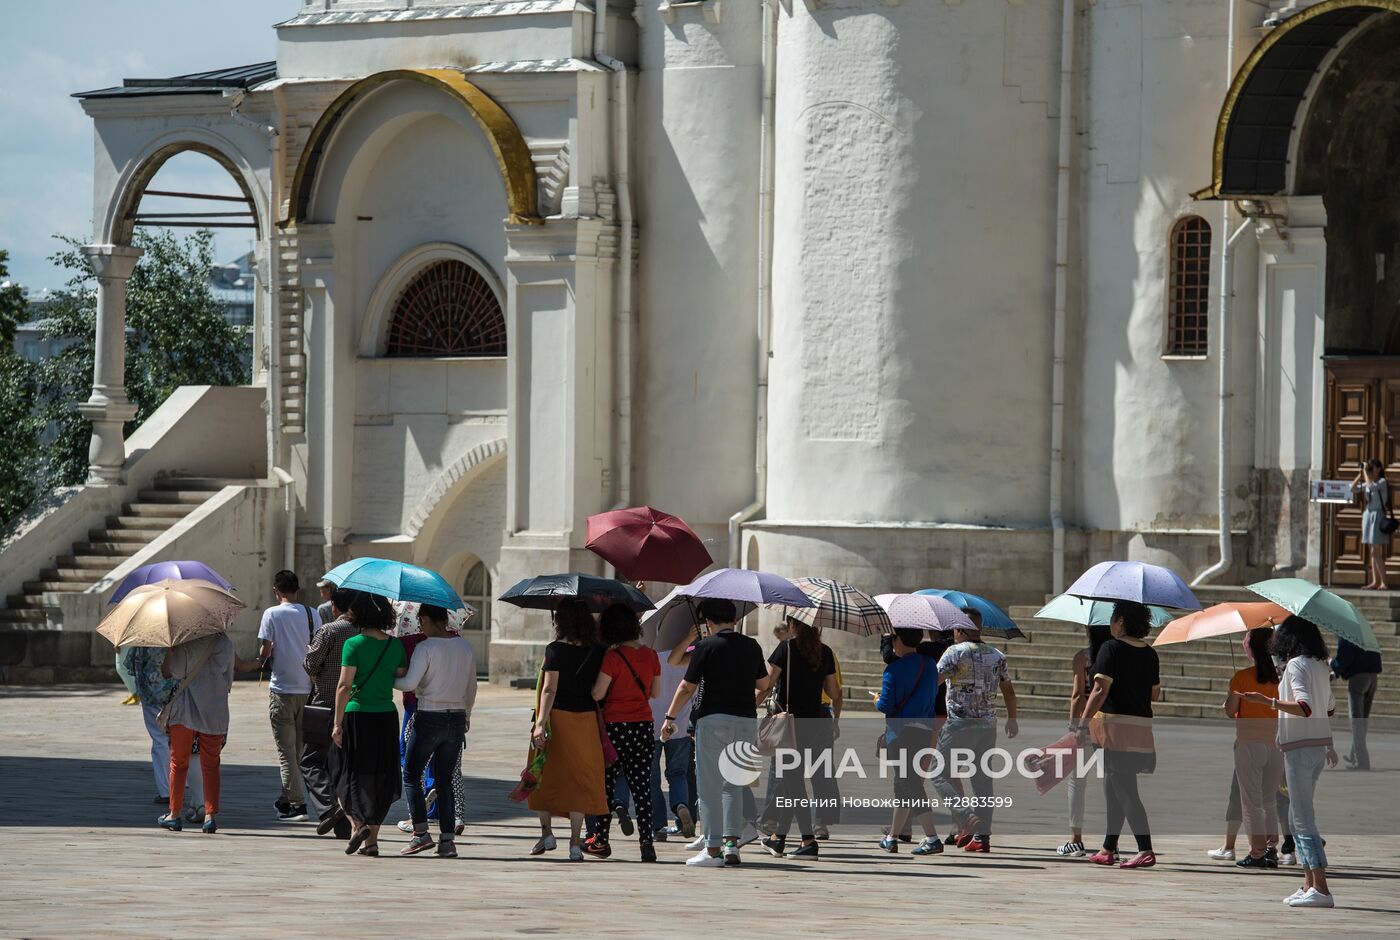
{"x": 567, "y": 729}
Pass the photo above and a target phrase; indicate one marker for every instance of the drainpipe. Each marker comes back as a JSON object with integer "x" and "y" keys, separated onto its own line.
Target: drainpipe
{"x": 1226, "y": 293}
{"x": 1057, "y": 363}
{"x": 626, "y": 321}
{"x": 765, "y": 279}
{"x": 289, "y": 544}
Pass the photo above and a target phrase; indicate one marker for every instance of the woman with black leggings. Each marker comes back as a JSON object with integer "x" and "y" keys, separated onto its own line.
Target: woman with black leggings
{"x": 1119, "y": 718}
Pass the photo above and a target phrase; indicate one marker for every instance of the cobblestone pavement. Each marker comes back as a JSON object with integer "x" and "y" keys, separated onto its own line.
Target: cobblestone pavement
{"x": 80, "y": 857}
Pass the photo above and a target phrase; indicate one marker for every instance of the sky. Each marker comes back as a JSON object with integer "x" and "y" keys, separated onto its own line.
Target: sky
{"x": 50, "y": 49}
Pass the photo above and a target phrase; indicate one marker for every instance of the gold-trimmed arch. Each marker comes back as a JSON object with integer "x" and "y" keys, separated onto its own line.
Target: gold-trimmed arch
{"x": 1282, "y": 36}
{"x": 507, "y": 142}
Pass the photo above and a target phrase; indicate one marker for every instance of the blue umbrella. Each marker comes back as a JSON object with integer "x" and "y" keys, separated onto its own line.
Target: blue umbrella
{"x": 994, "y": 620}
{"x": 1073, "y": 609}
{"x": 545, "y": 591}
{"x": 396, "y": 580}
{"x": 1137, "y": 581}
{"x": 168, "y": 570}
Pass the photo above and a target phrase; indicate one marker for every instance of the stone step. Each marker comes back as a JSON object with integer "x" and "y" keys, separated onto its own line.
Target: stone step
{"x": 89, "y": 562}
{"x": 158, "y": 510}
{"x": 117, "y": 549}
{"x": 134, "y": 524}
{"x": 162, "y": 496}
{"x": 205, "y": 485}
{"x": 24, "y": 601}
{"x": 21, "y": 619}
{"x": 67, "y": 576}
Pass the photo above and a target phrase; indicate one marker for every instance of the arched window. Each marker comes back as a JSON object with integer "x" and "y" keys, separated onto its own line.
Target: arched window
{"x": 447, "y": 309}
{"x": 476, "y": 590}
{"x": 1188, "y": 288}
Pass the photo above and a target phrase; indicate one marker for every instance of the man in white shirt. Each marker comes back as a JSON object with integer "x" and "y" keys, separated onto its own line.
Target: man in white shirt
{"x": 442, "y": 673}
{"x": 286, "y": 631}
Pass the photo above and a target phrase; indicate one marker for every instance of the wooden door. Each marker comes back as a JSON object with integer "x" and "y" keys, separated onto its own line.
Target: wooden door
{"x": 1363, "y": 421}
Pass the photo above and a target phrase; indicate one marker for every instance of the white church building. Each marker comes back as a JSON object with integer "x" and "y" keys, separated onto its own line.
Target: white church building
{"x": 909, "y": 293}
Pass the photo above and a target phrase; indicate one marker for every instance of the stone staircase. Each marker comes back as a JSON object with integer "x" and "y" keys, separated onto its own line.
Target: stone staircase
{"x": 1195, "y": 675}
{"x": 123, "y": 535}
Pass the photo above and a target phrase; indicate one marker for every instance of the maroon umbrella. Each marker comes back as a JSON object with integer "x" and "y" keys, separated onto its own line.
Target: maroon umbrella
{"x": 646, "y": 544}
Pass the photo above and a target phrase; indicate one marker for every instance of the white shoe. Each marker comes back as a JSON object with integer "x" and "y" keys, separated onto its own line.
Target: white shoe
{"x": 1222, "y": 855}
{"x": 405, "y": 825}
{"x": 706, "y": 860}
{"x": 1313, "y": 898}
{"x": 730, "y": 853}
{"x": 749, "y": 834}
{"x": 699, "y": 842}
{"x": 1294, "y": 896}
{"x": 1287, "y": 858}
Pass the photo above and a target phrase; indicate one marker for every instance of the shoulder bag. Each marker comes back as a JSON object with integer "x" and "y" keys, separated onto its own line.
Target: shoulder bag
{"x": 610, "y": 755}
{"x": 1388, "y": 525}
{"x": 316, "y": 719}
{"x": 163, "y": 716}
{"x": 779, "y": 730}
{"x": 883, "y": 740}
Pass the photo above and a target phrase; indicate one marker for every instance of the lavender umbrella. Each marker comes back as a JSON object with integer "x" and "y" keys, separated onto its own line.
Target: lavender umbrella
{"x": 1135, "y": 581}
{"x": 168, "y": 570}
{"x": 664, "y": 627}
{"x": 923, "y": 612}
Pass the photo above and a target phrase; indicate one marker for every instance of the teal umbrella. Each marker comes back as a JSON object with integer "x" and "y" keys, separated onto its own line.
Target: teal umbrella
{"x": 1083, "y": 610}
{"x": 1322, "y": 607}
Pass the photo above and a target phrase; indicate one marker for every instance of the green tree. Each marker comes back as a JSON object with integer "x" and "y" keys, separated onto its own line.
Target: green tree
{"x": 176, "y": 335}
{"x": 19, "y": 429}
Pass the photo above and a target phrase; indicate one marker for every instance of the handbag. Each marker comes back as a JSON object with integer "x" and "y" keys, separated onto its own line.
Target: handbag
{"x": 1388, "y": 525}
{"x": 163, "y": 716}
{"x": 779, "y": 729}
{"x": 316, "y": 721}
{"x": 883, "y": 741}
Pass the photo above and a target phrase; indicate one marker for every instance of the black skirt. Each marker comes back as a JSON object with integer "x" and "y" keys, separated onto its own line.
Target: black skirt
{"x": 365, "y": 767}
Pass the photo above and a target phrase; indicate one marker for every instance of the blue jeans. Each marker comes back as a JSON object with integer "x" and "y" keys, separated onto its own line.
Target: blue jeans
{"x": 677, "y": 752}
{"x": 1302, "y": 766}
{"x": 429, "y": 778}
{"x": 437, "y": 737}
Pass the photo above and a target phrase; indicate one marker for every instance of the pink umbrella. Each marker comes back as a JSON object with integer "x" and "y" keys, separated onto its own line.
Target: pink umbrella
{"x": 923, "y": 612}
{"x": 1220, "y": 620}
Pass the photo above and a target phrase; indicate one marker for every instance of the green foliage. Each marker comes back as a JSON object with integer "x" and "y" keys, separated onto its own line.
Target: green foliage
{"x": 19, "y": 429}
{"x": 176, "y": 335}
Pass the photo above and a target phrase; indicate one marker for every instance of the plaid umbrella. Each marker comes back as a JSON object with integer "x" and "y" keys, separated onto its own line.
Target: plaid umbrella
{"x": 837, "y": 606}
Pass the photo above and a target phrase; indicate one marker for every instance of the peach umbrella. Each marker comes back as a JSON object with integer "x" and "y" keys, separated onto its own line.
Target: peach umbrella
{"x": 169, "y": 613}
{"x": 1221, "y": 619}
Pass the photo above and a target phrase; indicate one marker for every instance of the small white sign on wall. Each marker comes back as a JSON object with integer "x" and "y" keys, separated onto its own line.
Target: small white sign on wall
{"x": 1330, "y": 491}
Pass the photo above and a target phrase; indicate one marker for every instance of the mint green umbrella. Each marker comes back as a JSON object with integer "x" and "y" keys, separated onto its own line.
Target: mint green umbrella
{"x": 1072, "y": 609}
{"x": 1322, "y": 607}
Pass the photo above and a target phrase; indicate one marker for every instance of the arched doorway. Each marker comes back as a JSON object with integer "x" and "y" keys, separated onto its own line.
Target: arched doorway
{"x": 1307, "y": 137}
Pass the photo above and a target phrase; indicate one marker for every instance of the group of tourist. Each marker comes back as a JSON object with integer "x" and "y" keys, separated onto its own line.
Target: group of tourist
{"x": 610, "y": 713}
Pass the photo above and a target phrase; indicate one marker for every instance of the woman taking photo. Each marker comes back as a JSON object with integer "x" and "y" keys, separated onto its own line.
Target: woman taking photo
{"x": 800, "y": 670}
{"x": 629, "y": 679}
{"x": 1304, "y": 704}
{"x": 365, "y": 760}
{"x": 1258, "y": 760}
{"x": 1374, "y": 489}
{"x": 1126, "y": 679}
{"x": 566, "y": 729}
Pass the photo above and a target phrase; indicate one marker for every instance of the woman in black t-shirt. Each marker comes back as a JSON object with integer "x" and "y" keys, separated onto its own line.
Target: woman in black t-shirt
{"x": 566, "y": 729}
{"x": 799, "y": 671}
{"x": 1126, "y": 678}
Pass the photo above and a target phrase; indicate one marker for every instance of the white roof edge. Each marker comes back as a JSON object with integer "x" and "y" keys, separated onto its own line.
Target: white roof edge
{"x": 458, "y": 11}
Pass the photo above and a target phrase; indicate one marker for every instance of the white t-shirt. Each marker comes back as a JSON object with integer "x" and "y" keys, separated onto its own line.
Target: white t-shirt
{"x": 1308, "y": 680}
{"x": 286, "y": 626}
{"x": 442, "y": 673}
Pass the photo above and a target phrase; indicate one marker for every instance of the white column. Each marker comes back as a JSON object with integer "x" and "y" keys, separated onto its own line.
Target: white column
{"x": 108, "y": 408}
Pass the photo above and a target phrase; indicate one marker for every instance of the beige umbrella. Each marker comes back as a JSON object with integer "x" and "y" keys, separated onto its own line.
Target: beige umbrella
{"x": 169, "y": 613}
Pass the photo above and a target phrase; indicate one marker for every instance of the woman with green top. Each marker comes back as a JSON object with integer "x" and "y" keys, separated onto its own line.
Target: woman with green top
{"x": 365, "y": 758}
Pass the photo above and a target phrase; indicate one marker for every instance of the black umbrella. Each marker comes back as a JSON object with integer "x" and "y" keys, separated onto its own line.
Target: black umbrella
{"x": 545, "y": 591}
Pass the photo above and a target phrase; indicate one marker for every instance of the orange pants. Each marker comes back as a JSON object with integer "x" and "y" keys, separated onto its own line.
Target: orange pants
{"x": 181, "y": 744}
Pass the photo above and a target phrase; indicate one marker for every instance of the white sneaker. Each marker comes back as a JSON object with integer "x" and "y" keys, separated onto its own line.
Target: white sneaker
{"x": 1287, "y": 858}
{"x": 405, "y": 825}
{"x": 749, "y": 834}
{"x": 1222, "y": 855}
{"x": 1294, "y": 896}
{"x": 730, "y": 853}
{"x": 1072, "y": 850}
{"x": 706, "y": 860}
{"x": 1312, "y": 898}
{"x": 699, "y": 842}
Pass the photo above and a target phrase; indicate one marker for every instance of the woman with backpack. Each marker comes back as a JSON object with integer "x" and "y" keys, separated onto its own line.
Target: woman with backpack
{"x": 630, "y": 677}
{"x": 1376, "y": 520}
{"x": 365, "y": 759}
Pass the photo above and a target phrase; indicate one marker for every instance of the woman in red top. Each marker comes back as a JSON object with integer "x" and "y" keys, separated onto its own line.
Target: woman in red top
{"x": 629, "y": 679}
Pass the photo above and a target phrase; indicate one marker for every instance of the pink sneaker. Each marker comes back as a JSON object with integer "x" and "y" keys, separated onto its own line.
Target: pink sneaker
{"x": 1104, "y": 857}
{"x": 1140, "y": 860}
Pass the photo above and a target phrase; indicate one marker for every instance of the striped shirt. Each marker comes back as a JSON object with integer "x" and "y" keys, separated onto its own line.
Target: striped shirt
{"x": 323, "y": 658}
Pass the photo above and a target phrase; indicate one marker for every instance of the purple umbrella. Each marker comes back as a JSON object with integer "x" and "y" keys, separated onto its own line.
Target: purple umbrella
{"x": 1135, "y": 581}
{"x": 664, "y": 627}
{"x": 172, "y": 570}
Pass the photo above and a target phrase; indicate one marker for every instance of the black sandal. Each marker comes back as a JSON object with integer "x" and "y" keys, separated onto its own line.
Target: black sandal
{"x": 357, "y": 839}
{"x": 371, "y": 850}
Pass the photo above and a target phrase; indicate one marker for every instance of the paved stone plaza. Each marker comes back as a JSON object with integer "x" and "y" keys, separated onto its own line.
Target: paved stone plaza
{"x": 82, "y": 858}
